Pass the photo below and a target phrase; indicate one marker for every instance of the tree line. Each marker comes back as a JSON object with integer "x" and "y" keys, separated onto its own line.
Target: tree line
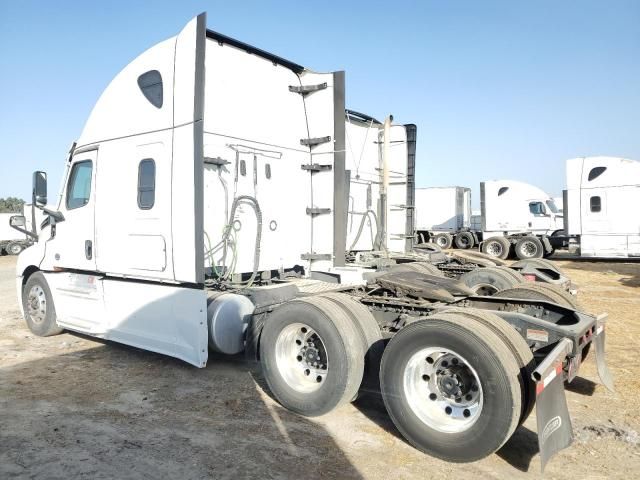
{"x": 11, "y": 205}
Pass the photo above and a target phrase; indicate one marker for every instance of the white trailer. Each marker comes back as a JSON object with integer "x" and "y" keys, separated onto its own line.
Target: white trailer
{"x": 443, "y": 216}
{"x": 206, "y": 196}
{"x": 601, "y": 215}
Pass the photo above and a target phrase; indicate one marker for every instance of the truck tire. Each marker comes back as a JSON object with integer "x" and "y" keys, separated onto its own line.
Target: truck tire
{"x": 39, "y": 310}
{"x": 529, "y": 247}
{"x": 536, "y": 263}
{"x": 518, "y": 346}
{"x": 370, "y": 334}
{"x": 297, "y": 340}
{"x": 430, "y": 269}
{"x": 544, "y": 292}
{"x": 464, "y": 240}
{"x": 451, "y": 387}
{"x": 422, "y": 267}
{"x": 443, "y": 240}
{"x": 428, "y": 247}
{"x": 491, "y": 280}
{"x": 498, "y": 247}
{"x": 14, "y": 248}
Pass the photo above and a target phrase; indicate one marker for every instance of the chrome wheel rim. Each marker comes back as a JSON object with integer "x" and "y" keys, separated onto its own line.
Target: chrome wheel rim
{"x": 528, "y": 249}
{"x": 37, "y": 304}
{"x": 494, "y": 248}
{"x": 443, "y": 390}
{"x": 441, "y": 241}
{"x": 15, "y": 249}
{"x": 301, "y": 358}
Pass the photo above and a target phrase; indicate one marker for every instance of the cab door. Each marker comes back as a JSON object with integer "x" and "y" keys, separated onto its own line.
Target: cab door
{"x": 70, "y": 260}
{"x": 73, "y": 245}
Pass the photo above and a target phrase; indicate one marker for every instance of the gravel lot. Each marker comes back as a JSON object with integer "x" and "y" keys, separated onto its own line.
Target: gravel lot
{"x": 74, "y": 407}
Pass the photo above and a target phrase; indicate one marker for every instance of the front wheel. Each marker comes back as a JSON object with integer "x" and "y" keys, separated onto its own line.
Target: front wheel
{"x": 39, "y": 310}
{"x": 451, "y": 386}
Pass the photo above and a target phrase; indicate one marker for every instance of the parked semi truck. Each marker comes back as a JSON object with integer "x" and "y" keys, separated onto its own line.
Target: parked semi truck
{"x": 513, "y": 214}
{"x": 600, "y": 215}
{"x": 595, "y": 218}
{"x": 221, "y": 223}
{"x": 12, "y": 242}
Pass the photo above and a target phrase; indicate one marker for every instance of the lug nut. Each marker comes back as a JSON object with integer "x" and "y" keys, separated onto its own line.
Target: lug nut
{"x": 318, "y": 379}
{"x": 307, "y": 371}
{"x": 468, "y": 397}
{"x": 426, "y": 378}
{"x": 298, "y": 342}
{"x": 447, "y": 410}
{"x": 466, "y": 413}
{"x": 445, "y": 363}
{"x": 429, "y": 360}
{"x": 299, "y": 358}
{"x": 433, "y": 396}
{"x": 454, "y": 361}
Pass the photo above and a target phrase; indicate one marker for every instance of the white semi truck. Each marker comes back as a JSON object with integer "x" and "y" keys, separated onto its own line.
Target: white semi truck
{"x": 512, "y": 213}
{"x": 205, "y": 206}
{"x": 601, "y": 218}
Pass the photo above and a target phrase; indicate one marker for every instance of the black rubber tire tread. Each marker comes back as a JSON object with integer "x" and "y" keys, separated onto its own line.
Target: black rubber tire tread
{"x": 447, "y": 237}
{"x": 430, "y": 247}
{"x": 504, "y": 379}
{"x": 344, "y": 385}
{"x": 370, "y": 332}
{"x": 529, "y": 238}
{"x": 510, "y": 271}
{"x": 501, "y": 278}
{"x": 506, "y": 247}
{"x": 458, "y": 239}
{"x": 49, "y": 326}
{"x": 538, "y": 262}
{"x": 429, "y": 269}
{"x": 542, "y": 291}
{"x": 518, "y": 346}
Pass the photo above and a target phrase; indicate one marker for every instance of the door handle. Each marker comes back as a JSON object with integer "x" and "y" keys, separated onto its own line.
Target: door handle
{"x": 88, "y": 249}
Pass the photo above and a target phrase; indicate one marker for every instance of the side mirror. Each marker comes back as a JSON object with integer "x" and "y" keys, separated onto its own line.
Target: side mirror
{"x": 17, "y": 221}
{"x": 40, "y": 188}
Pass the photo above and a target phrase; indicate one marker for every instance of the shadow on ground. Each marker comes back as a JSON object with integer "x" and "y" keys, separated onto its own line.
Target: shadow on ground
{"x": 118, "y": 412}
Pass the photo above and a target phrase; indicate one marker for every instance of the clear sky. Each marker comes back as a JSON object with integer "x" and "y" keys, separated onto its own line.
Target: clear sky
{"x": 498, "y": 89}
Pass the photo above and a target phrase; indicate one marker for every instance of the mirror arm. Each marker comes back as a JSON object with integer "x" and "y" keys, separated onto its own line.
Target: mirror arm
{"x": 57, "y": 216}
{"x": 26, "y": 232}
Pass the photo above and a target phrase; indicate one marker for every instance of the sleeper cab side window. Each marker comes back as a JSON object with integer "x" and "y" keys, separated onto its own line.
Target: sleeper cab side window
{"x": 79, "y": 186}
{"x": 150, "y": 84}
{"x": 595, "y": 204}
{"x": 146, "y": 184}
{"x": 595, "y": 172}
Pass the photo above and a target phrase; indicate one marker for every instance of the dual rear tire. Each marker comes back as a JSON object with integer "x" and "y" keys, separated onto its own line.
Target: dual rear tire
{"x": 317, "y": 352}
{"x": 454, "y": 386}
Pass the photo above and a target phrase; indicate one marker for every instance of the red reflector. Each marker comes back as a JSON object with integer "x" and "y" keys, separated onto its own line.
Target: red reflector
{"x": 530, "y": 278}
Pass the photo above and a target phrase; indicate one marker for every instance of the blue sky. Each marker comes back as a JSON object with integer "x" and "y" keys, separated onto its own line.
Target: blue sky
{"x": 498, "y": 89}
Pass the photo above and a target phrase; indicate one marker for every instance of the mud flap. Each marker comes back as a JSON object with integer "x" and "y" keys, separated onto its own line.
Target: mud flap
{"x": 554, "y": 423}
{"x": 603, "y": 369}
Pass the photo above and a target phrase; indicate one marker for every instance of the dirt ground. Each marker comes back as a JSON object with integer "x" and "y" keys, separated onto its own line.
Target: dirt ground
{"x": 75, "y": 407}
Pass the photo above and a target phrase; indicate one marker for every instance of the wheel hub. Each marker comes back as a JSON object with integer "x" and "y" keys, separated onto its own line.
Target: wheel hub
{"x": 443, "y": 390}
{"x": 301, "y": 358}
{"x": 455, "y": 382}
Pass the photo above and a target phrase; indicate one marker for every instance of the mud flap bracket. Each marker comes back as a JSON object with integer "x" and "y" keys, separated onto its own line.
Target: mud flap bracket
{"x": 603, "y": 369}
{"x": 554, "y": 423}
